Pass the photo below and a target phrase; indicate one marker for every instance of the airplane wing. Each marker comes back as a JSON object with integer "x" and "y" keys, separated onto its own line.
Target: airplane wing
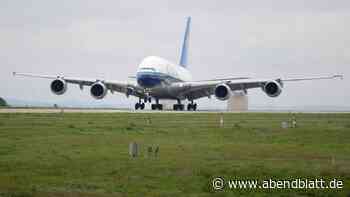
{"x": 223, "y": 79}
{"x": 197, "y": 89}
{"x": 111, "y": 85}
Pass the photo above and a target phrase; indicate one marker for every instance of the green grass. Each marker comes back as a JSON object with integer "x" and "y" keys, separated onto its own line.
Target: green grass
{"x": 87, "y": 154}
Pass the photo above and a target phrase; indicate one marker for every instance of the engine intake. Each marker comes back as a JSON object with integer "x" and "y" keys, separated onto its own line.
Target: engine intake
{"x": 272, "y": 88}
{"x": 98, "y": 90}
{"x": 58, "y": 86}
{"x": 222, "y": 92}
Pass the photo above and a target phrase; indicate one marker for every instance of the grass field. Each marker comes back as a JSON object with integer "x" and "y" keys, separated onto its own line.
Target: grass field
{"x": 75, "y": 154}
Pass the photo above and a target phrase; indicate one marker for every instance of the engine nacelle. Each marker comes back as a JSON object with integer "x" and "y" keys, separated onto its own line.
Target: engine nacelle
{"x": 222, "y": 92}
{"x": 58, "y": 86}
{"x": 98, "y": 90}
{"x": 129, "y": 91}
{"x": 272, "y": 88}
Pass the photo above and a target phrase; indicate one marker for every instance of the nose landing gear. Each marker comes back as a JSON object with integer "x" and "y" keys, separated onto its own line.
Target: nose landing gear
{"x": 147, "y": 99}
{"x": 139, "y": 105}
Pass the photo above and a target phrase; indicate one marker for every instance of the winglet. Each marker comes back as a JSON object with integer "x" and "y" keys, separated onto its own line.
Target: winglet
{"x": 341, "y": 77}
{"x": 184, "y": 50}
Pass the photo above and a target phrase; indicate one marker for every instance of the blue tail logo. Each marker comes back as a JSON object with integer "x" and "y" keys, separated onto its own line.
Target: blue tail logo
{"x": 184, "y": 50}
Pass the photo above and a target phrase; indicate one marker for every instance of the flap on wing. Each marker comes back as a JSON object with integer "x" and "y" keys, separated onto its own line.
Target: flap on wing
{"x": 223, "y": 79}
{"x": 314, "y": 78}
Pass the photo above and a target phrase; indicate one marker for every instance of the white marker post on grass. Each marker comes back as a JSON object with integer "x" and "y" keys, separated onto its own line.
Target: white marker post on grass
{"x": 133, "y": 149}
{"x": 221, "y": 120}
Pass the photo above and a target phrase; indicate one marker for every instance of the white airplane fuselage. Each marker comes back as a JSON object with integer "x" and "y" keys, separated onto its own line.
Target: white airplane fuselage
{"x": 156, "y": 73}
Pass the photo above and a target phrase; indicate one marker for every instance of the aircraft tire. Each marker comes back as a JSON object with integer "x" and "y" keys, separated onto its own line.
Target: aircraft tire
{"x": 153, "y": 106}
{"x": 137, "y": 106}
{"x": 189, "y": 107}
{"x": 160, "y": 106}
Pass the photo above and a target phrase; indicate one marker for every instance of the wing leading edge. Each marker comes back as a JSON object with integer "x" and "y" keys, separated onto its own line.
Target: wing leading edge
{"x": 112, "y": 85}
{"x": 197, "y": 89}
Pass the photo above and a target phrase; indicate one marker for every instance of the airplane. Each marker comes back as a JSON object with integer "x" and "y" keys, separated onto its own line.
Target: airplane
{"x": 157, "y": 78}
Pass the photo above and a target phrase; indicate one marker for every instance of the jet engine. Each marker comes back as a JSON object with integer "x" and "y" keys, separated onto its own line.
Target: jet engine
{"x": 98, "y": 90}
{"x": 58, "y": 86}
{"x": 222, "y": 92}
{"x": 272, "y": 88}
{"x": 129, "y": 91}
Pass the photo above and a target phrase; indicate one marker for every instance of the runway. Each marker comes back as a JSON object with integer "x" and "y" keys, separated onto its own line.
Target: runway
{"x": 92, "y": 110}
{"x": 65, "y": 110}
{"x": 98, "y": 110}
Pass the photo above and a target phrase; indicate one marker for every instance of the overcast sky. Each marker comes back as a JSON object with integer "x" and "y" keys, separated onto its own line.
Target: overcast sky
{"x": 108, "y": 39}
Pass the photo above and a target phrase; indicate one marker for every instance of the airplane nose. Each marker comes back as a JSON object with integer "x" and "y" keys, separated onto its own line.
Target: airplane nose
{"x": 148, "y": 80}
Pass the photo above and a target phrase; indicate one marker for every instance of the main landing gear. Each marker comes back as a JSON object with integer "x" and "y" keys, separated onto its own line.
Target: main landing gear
{"x": 157, "y": 105}
{"x": 141, "y": 105}
{"x": 180, "y": 107}
{"x": 177, "y": 107}
{"x": 192, "y": 106}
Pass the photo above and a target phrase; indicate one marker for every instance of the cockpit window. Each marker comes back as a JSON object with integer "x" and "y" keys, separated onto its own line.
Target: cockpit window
{"x": 148, "y": 69}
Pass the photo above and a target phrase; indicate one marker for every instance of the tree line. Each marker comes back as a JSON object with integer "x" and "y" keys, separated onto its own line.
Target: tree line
{"x": 3, "y": 102}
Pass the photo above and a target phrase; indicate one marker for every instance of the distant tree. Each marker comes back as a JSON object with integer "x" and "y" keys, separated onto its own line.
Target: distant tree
{"x": 2, "y": 102}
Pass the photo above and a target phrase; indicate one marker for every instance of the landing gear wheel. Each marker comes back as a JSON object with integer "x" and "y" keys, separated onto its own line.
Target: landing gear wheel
{"x": 181, "y": 107}
{"x": 153, "y": 106}
{"x": 137, "y": 106}
{"x": 142, "y": 106}
{"x": 157, "y": 106}
{"x": 178, "y": 107}
{"x": 192, "y": 107}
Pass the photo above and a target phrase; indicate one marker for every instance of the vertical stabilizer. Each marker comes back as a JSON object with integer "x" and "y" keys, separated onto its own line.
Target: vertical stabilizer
{"x": 184, "y": 50}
